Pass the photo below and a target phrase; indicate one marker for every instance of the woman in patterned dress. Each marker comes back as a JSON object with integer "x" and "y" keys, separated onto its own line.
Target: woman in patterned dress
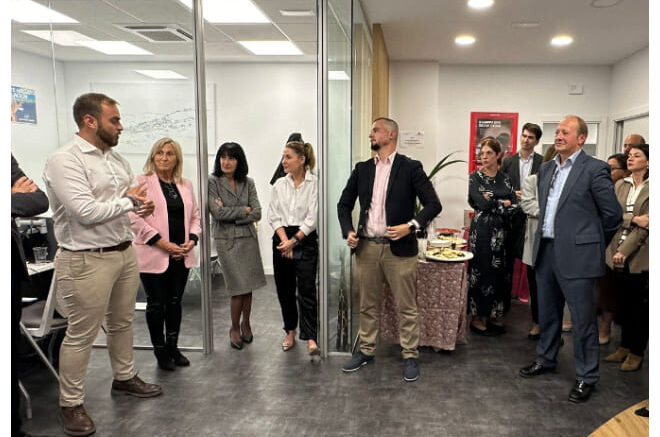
{"x": 489, "y": 277}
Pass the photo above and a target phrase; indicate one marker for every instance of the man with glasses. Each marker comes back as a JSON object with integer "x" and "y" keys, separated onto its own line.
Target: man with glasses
{"x": 579, "y": 214}
{"x": 631, "y": 140}
{"x": 91, "y": 189}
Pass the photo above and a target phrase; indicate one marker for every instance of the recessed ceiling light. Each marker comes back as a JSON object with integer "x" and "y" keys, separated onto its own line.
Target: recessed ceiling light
{"x": 338, "y": 75}
{"x": 60, "y": 37}
{"x": 561, "y": 40}
{"x": 480, "y": 4}
{"x": 161, "y": 74}
{"x": 525, "y": 24}
{"x": 296, "y": 13}
{"x": 230, "y": 11}
{"x": 29, "y": 12}
{"x": 604, "y": 3}
{"x": 115, "y": 47}
{"x": 465, "y": 40}
{"x": 271, "y": 47}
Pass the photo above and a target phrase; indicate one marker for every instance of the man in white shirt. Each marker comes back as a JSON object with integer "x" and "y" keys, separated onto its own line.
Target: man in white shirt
{"x": 89, "y": 186}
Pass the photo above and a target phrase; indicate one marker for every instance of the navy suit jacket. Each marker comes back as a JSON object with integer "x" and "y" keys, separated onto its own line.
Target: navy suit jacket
{"x": 588, "y": 214}
{"x": 407, "y": 182}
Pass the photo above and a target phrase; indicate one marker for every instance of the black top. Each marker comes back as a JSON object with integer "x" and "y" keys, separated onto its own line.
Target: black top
{"x": 174, "y": 212}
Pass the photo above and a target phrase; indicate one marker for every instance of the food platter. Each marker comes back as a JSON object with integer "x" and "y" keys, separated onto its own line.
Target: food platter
{"x": 447, "y": 231}
{"x": 448, "y": 255}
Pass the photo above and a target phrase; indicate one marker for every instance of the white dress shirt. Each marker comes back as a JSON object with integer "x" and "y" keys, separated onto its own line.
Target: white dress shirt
{"x": 86, "y": 188}
{"x": 525, "y": 166}
{"x": 557, "y": 182}
{"x": 294, "y": 206}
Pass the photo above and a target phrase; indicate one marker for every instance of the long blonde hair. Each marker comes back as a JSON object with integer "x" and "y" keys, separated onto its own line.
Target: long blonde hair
{"x": 149, "y": 166}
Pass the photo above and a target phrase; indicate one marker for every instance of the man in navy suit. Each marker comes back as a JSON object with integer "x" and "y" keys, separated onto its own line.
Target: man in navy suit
{"x": 387, "y": 186}
{"x": 579, "y": 214}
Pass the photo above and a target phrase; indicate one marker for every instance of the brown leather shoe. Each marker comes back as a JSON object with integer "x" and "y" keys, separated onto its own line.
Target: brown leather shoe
{"x": 76, "y": 421}
{"x": 136, "y": 387}
{"x": 618, "y": 356}
{"x": 632, "y": 364}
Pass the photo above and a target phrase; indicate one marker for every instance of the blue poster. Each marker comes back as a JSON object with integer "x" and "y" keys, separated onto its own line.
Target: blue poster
{"x": 23, "y": 105}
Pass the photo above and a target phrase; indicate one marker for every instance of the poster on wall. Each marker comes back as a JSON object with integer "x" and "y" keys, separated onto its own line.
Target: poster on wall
{"x": 23, "y": 105}
{"x": 502, "y": 126}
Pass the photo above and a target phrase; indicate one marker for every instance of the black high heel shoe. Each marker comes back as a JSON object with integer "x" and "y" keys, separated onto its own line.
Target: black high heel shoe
{"x": 238, "y": 345}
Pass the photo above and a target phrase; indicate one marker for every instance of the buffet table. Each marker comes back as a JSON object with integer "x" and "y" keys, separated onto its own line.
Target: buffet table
{"x": 441, "y": 301}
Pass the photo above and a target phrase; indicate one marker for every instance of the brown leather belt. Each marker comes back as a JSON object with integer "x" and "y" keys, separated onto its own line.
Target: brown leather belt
{"x": 118, "y": 248}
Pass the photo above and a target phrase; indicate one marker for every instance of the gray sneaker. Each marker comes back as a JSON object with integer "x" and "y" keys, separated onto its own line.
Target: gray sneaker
{"x": 410, "y": 370}
{"x": 357, "y": 361}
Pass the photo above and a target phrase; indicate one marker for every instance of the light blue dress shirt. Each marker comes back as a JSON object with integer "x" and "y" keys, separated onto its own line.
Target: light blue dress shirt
{"x": 557, "y": 182}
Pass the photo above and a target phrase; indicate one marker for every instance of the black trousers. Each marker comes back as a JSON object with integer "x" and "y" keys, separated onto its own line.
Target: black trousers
{"x": 301, "y": 274}
{"x": 164, "y": 291}
{"x": 632, "y": 308}
{"x": 16, "y": 307}
{"x": 533, "y": 294}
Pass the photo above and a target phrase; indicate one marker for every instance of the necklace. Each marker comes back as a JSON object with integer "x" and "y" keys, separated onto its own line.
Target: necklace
{"x": 170, "y": 188}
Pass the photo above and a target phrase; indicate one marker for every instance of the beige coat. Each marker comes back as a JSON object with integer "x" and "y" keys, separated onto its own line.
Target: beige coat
{"x": 636, "y": 245}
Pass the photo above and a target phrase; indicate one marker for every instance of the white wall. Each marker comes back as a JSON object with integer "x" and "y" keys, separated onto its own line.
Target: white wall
{"x": 536, "y": 93}
{"x": 32, "y": 143}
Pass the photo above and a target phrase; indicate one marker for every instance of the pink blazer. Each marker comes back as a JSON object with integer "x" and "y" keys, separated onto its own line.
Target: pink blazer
{"x": 153, "y": 259}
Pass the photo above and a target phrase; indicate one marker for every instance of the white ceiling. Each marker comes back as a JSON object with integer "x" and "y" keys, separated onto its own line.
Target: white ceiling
{"x": 425, "y": 30}
{"x": 414, "y": 30}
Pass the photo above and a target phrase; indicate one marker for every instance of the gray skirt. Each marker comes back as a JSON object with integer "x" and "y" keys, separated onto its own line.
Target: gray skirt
{"x": 241, "y": 265}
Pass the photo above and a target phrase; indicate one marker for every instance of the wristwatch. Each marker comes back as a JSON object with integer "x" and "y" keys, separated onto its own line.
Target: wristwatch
{"x": 412, "y": 226}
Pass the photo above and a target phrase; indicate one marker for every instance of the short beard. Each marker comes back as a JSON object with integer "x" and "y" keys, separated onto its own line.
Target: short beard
{"x": 375, "y": 147}
{"x": 105, "y": 137}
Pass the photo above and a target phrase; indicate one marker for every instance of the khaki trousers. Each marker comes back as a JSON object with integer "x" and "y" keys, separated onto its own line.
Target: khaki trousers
{"x": 93, "y": 287}
{"x": 375, "y": 264}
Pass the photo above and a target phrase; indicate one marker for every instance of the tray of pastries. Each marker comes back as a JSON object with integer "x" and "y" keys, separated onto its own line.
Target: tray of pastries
{"x": 446, "y": 254}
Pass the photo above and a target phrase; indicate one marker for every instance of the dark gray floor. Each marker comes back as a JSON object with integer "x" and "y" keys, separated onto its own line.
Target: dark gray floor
{"x": 262, "y": 391}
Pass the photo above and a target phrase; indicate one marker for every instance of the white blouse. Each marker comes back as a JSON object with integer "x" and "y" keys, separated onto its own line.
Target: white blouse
{"x": 294, "y": 206}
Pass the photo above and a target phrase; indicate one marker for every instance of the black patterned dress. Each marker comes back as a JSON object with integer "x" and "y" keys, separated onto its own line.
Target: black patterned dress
{"x": 489, "y": 275}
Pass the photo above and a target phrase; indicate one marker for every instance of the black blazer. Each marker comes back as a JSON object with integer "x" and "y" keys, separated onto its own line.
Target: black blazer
{"x": 511, "y": 168}
{"x": 407, "y": 183}
{"x": 22, "y": 205}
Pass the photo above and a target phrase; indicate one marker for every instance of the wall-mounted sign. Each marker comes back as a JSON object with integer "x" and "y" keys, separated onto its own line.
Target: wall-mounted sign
{"x": 503, "y": 126}
{"x": 23, "y": 105}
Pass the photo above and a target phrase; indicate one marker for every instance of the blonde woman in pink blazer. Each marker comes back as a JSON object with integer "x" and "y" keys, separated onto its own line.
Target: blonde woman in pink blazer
{"x": 164, "y": 245}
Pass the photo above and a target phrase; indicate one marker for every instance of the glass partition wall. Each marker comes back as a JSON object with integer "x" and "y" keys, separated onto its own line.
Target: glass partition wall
{"x": 142, "y": 53}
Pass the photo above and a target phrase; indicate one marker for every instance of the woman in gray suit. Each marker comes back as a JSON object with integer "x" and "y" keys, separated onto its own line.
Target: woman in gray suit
{"x": 235, "y": 210}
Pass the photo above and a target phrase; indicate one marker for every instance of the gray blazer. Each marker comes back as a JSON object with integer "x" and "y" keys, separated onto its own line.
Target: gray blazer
{"x": 588, "y": 214}
{"x": 232, "y": 220}
{"x": 529, "y": 203}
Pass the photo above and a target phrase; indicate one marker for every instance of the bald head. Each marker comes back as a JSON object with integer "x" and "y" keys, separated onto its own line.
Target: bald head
{"x": 632, "y": 140}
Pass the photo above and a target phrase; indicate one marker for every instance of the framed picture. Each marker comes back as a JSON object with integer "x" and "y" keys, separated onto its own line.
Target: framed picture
{"x": 503, "y": 126}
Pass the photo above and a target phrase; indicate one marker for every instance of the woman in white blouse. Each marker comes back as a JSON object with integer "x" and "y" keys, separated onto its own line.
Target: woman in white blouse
{"x": 293, "y": 214}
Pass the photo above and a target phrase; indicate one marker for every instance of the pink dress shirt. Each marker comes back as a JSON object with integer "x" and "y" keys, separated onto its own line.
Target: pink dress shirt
{"x": 376, "y": 223}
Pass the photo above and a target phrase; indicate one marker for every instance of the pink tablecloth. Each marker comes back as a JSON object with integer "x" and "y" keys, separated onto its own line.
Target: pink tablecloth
{"x": 441, "y": 301}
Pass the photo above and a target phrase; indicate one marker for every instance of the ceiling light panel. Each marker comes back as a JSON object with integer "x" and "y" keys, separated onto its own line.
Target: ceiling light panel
{"x": 296, "y": 13}
{"x": 230, "y": 11}
{"x": 561, "y": 40}
{"x": 68, "y": 38}
{"x": 480, "y": 4}
{"x": 115, "y": 47}
{"x": 465, "y": 40}
{"x": 29, "y": 12}
{"x": 271, "y": 48}
{"x": 161, "y": 74}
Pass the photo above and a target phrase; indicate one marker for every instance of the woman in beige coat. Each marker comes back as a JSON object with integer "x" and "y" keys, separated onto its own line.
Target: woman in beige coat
{"x": 628, "y": 255}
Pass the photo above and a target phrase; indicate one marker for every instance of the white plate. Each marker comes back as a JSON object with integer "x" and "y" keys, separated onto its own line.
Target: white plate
{"x": 468, "y": 256}
{"x": 441, "y": 242}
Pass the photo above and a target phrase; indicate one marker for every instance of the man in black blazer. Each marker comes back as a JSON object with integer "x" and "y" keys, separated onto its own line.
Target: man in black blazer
{"x": 27, "y": 200}
{"x": 517, "y": 167}
{"x": 387, "y": 187}
{"x": 579, "y": 214}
